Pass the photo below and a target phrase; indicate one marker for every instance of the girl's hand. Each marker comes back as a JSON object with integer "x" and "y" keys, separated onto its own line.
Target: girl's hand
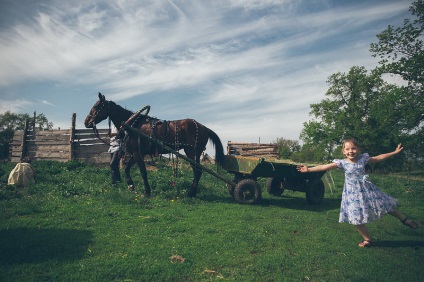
{"x": 302, "y": 168}
{"x": 399, "y": 148}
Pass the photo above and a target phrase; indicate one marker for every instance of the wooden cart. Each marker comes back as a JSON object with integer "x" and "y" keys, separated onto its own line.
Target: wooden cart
{"x": 280, "y": 175}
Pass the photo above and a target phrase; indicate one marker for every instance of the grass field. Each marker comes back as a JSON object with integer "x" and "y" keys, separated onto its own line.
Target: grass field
{"x": 73, "y": 226}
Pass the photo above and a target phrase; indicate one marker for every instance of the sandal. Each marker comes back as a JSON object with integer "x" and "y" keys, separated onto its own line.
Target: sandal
{"x": 411, "y": 224}
{"x": 365, "y": 244}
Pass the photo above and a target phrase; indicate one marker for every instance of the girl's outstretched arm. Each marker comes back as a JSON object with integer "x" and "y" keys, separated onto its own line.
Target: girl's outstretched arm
{"x": 325, "y": 167}
{"x": 382, "y": 157}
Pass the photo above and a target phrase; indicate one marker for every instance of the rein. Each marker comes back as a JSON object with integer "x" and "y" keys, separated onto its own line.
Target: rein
{"x": 95, "y": 130}
{"x": 96, "y": 133}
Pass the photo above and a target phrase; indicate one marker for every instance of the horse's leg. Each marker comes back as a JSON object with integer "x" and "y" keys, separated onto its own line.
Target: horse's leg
{"x": 197, "y": 172}
{"x": 128, "y": 178}
{"x": 143, "y": 171}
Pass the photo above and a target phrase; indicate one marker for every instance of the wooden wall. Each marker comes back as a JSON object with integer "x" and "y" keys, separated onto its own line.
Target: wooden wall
{"x": 60, "y": 145}
{"x": 252, "y": 149}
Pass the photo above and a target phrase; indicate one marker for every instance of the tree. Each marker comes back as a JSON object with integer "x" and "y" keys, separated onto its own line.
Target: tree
{"x": 320, "y": 136}
{"x": 401, "y": 51}
{"x": 366, "y": 107}
{"x": 42, "y": 123}
{"x": 358, "y": 108}
{"x": 344, "y": 114}
{"x": 314, "y": 153}
{"x": 9, "y": 122}
{"x": 286, "y": 147}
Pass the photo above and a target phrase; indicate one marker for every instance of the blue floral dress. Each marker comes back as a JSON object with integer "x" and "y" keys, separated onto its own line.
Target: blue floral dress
{"x": 362, "y": 201}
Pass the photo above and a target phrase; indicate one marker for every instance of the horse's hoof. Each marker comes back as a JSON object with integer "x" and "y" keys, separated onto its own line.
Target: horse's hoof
{"x": 131, "y": 188}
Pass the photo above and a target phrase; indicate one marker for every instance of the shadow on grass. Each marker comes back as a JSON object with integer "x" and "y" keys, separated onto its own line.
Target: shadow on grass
{"x": 399, "y": 244}
{"x": 297, "y": 203}
{"x": 24, "y": 245}
{"x": 288, "y": 202}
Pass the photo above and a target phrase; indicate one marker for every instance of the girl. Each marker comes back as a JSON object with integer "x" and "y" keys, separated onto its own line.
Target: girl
{"x": 362, "y": 201}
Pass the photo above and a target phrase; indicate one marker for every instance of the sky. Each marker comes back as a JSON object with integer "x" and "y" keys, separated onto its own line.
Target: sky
{"x": 247, "y": 69}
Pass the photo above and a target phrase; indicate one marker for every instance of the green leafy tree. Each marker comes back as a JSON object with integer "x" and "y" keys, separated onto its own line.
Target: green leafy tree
{"x": 362, "y": 106}
{"x": 401, "y": 51}
{"x": 344, "y": 113}
{"x": 42, "y": 123}
{"x": 310, "y": 153}
{"x": 365, "y": 107}
{"x": 286, "y": 147}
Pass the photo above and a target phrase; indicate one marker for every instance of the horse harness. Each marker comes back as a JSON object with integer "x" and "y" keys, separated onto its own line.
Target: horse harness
{"x": 135, "y": 119}
{"x": 156, "y": 132}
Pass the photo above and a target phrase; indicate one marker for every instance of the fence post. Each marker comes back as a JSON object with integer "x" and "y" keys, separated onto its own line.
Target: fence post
{"x": 33, "y": 121}
{"x": 72, "y": 136}
{"x": 24, "y": 137}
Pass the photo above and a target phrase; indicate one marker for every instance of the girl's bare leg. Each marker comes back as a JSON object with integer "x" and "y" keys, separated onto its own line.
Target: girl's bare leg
{"x": 404, "y": 219}
{"x": 362, "y": 229}
{"x": 398, "y": 215}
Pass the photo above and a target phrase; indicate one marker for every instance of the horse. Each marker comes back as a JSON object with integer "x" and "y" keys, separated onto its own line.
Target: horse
{"x": 186, "y": 134}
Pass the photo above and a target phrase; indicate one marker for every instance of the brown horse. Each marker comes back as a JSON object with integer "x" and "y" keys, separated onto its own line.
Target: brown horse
{"x": 186, "y": 134}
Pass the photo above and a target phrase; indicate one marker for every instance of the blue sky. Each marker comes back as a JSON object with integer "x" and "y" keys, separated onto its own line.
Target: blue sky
{"x": 247, "y": 69}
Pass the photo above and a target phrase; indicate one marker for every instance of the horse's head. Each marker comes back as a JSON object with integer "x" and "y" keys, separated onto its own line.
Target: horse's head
{"x": 99, "y": 112}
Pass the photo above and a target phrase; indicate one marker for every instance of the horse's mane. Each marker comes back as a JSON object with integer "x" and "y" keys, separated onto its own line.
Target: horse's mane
{"x": 122, "y": 108}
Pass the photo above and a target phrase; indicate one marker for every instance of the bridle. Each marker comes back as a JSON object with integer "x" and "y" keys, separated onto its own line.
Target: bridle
{"x": 95, "y": 130}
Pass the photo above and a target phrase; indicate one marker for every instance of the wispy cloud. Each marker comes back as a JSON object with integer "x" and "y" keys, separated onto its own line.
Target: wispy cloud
{"x": 15, "y": 106}
{"x": 44, "y": 102}
{"x": 258, "y": 63}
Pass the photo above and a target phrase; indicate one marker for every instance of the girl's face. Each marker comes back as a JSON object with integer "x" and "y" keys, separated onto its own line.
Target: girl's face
{"x": 350, "y": 151}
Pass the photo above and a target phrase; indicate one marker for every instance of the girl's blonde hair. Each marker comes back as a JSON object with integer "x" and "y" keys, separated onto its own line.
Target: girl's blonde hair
{"x": 352, "y": 141}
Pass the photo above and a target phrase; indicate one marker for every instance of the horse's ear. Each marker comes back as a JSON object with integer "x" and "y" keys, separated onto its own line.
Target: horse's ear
{"x": 101, "y": 97}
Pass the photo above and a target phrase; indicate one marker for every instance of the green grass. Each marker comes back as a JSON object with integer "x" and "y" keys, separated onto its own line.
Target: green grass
{"x": 73, "y": 226}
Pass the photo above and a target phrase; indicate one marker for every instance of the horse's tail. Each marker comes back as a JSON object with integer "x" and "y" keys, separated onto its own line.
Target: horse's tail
{"x": 219, "y": 150}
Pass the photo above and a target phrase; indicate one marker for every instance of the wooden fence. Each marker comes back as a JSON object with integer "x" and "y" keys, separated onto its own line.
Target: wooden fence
{"x": 60, "y": 145}
{"x": 252, "y": 149}
{"x": 82, "y": 145}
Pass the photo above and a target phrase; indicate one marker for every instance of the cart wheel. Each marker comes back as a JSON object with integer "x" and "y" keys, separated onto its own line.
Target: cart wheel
{"x": 247, "y": 191}
{"x": 315, "y": 191}
{"x": 236, "y": 179}
{"x": 274, "y": 186}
